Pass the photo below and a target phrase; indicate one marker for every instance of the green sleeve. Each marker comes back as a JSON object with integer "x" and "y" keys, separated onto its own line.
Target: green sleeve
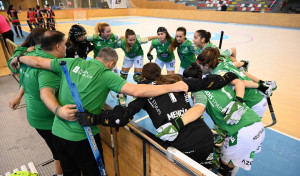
{"x": 113, "y": 81}
{"x": 48, "y": 79}
{"x": 116, "y": 37}
{"x": 200, "y": 98}
{"x": 195, "y": 49}
{"x": 142, "y": 40}
{"x": 18, "y": 51}
{"x": 118, "y": 44}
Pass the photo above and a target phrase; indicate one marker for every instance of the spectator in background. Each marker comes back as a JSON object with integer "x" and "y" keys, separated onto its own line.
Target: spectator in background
{"x": 5, "y": 29}
{"x": 223, "y": 7}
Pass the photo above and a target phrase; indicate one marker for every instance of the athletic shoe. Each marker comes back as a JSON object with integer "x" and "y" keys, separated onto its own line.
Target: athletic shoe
{"x": 245, "y": 66}
{"x": 271, "y": 84}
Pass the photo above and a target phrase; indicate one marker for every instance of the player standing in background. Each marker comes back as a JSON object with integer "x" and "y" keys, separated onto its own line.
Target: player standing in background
{"x": 15, "y": 20}
{"x": 39, "y": 15}
{"x": 77, "y": 45}
{"x": 31, "y": 19}
{"x": 50, "y": 17}
{"x": 131, "y": 45}
{"x": 186, "y": 49}
{"x": 164, "y": 55}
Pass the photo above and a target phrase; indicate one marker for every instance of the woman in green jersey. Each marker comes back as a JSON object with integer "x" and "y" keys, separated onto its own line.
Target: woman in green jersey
{"x": 164, "y": 55}
{"x": 186, "y": 49}
{"x": 210, "y": 63}
{"x": 202, "y": 40}
{"x": 103, "y": 37}
{"x": 131, "y": 45}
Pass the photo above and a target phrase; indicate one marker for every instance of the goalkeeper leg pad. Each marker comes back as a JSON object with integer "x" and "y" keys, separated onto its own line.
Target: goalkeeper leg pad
{"x": 224, "y": 169}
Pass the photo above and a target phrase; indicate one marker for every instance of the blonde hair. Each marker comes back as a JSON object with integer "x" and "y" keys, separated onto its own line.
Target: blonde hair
{"x": 99, "y": 28}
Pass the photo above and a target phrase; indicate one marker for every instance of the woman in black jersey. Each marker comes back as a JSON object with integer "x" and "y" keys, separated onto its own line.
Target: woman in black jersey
{"x": 77, "y": 45}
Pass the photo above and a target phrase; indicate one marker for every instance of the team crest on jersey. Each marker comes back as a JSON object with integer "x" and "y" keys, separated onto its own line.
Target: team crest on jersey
{"x": 99, "y": 44}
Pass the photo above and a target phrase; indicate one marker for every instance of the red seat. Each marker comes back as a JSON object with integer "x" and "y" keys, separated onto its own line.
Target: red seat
{"x": 257, "y": 9}
{"x": 204, "y": 5}
{"x": 240, "y": 9}
{"x": 239, "y": 5}
{"x": 254, "y": 5}
{"x": 215, "y": 5}
{"x": 268, "y": 9}
{"x": 228, "y": 2}
{"x": 248, "y": 8}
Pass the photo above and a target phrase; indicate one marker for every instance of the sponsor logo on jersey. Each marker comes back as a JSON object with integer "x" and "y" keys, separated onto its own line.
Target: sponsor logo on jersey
{"x": 258, "y": 134}
{"x": 82, "y": 72}
{"x": 248, "y": 163}
{"x": 172, "y": 97}
{"x": 175, "y": 114}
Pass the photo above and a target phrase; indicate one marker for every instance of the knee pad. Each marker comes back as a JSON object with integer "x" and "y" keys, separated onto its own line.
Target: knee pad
{"x": 123, "y": 74}
{"x": 224, "y": 169}
{"x": 137, "y": 77}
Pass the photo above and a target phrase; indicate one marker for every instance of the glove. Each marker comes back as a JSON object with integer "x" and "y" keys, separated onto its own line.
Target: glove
{"x": 246, "y": 65}
{"x": 170, "y": 130}
{"x": 265, "y": 87}
{"x": 118, "y": 117}
{"x": 150, "y": 57}
{"x": 233, "y": 111}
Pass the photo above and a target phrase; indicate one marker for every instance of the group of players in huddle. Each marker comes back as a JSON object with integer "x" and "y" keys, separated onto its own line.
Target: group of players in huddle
{"x": 220, "y": 85}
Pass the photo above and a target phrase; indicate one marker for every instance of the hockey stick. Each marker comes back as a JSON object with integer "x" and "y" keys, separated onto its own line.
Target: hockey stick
{"x": 272, "y": 113}
{"x": 87, "y": 129}
{"x": 221, "y": 39}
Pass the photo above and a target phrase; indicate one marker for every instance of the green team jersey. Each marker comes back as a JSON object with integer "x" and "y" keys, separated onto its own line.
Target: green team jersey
{"x": 225, "y": 53}
{"x": 18, "y": 51}
{"x": 162, "y": 50}
{"x": 33, "y": 80}
{"x": 252, "y": 96}
{"x": 135, "y": 50}
{"x": 186, "y": 53}
{"x": 93, "y": 81}
{"x": 216, "y": 100}
{"x": 100, "y": 43}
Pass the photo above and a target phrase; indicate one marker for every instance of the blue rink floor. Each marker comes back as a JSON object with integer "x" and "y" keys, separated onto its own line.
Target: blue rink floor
{"x": 279, "y": 154}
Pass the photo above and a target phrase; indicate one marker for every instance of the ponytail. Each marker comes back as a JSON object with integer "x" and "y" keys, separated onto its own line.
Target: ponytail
{"x": 204, "y": 34}
{"x": 175, "y": 43}
{"x": 128, "y": 32}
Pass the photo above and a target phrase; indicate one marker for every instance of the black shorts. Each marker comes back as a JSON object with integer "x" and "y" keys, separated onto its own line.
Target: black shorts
{"x": 77, "y": 156}
{"x": 41, "y": 21}
{"x": 50, "y": 20}
{"x": 16, "y": 24}
{"x": 48, "y": 137}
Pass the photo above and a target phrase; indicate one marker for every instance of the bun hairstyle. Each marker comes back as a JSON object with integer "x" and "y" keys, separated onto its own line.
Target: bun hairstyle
{"x": 175, "y": 43}
{"x": 204, "y": 34}
{"x": 194, "y": 71}
{"x": 164, "y": 30}
{"x": 128, "y": 32}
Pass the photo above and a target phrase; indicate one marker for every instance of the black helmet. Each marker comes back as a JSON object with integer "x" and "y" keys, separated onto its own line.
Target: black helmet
{"x": 75, "y": 32}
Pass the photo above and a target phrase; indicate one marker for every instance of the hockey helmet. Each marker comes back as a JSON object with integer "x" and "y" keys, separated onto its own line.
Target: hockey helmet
{"x": 76, "y": 32}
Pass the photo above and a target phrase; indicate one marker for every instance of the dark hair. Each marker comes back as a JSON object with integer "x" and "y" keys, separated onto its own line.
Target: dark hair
{"x": 194, "y": 71}
{"x": 30, "y": 9}
{"x": 28, "y": 42}
{"x": 168, "y": 79}
{"x": 209, "y": 56}
{"x": 37, "y": 34}
{"x": 164, "y": 30}
{"x": 151, "y": 71}
{"x": 204, "y": 34}
{"x": 127, "y": 33}
{"x": 38, "y": 7}
{"x": 108, "y": 54}
{"x": 175, "y": 44}
{"x": 9, "y": 9}
{"x": 50, "y": 39}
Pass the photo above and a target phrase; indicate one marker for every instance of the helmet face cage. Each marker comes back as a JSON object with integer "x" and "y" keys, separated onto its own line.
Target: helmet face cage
{"x": 76, "y": 32}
